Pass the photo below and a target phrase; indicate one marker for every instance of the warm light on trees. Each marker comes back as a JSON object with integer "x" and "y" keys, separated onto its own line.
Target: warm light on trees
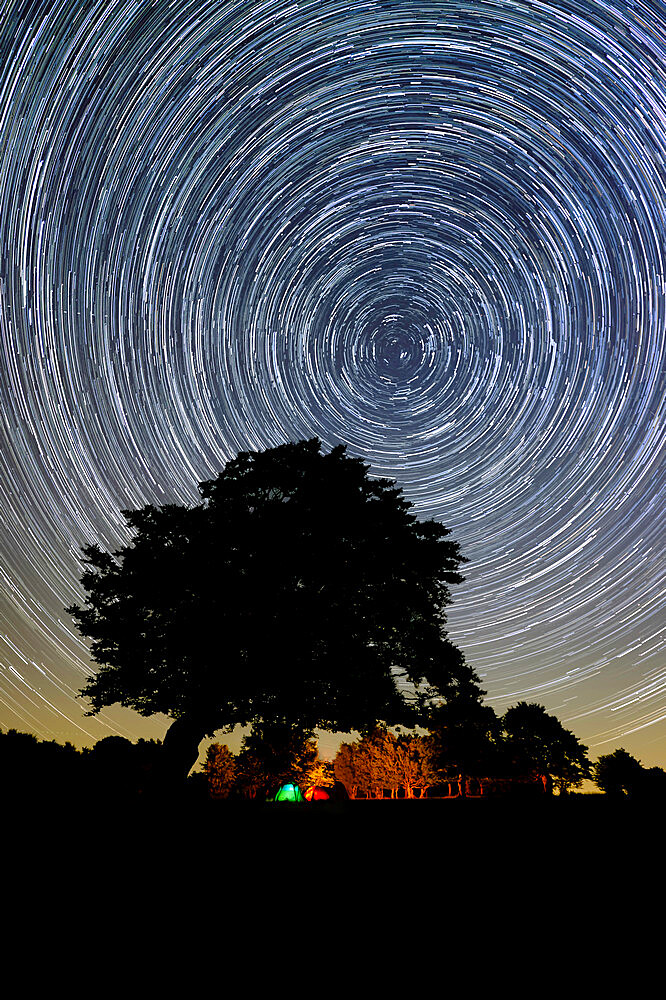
{"x": 320, "y": 774}
{"x": 381, "y": 760}
{"x": 220, "y": 770}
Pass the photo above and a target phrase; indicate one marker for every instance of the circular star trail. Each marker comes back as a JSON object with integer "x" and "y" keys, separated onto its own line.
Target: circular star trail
{"x": 433, "y": 232}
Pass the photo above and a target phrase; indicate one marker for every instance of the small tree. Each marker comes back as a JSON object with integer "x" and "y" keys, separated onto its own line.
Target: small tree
{"x": 538, "y": 745}
{"x": 320, "y": 774}
{"x": 463, "y": 740}
{"x": 365, "y": 766}
{"x": 349, "y": 768}
{"x": 250, "y": 780}
{"x": 220, "y": 770}
{"x": 618, "y": 773}
{"x": 381, "y": 760}
{"x": 414, "y": 765}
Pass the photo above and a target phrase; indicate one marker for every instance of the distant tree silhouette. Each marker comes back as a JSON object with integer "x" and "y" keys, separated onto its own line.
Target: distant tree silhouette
{"x": 537, "y": 744}
{"x": 118, "y": 769}
{"x": 111, "y": 768}
{"x": 618, "y": 773}
{"x": 38, "y": 769}
{"x": 653, "y": 784}
{"x": 297, "y": 591}
{"x": 464, "y": 738}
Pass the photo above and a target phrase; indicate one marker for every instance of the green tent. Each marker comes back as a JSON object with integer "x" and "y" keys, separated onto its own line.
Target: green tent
{"x": 289, "y": 793}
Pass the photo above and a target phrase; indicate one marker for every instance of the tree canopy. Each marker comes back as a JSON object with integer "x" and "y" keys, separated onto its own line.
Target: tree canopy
{"x": 539, "y": 744}
{"x": 618, "y": 773}
{"x": 297, "y": 592}
{"x": 274, "y": 754}
{"x": 464, "y": 737}
{"x": 380, "y": 760}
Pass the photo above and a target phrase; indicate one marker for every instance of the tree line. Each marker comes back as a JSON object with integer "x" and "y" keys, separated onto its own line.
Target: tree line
{"x": 525, "y": 751}
{"x": 378, "y": 764}
{"x": 114, "y": 768}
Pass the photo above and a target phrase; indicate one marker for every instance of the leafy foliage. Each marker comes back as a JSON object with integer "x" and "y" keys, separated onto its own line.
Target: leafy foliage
{"x": 33, "y": 768}
{"x": 114, "y": 767}
{"x": 466, "y": 741}
{"x": 277, "y": 753}
{"x": 220, "y": 770}
{"x": 464, "y": 738}
{"x": 295, "y": 592}
{"x": 539, "y": 744}
{"x": 270, "y": 756}
{"x": 618, "y": 773}
{"x": 381, "y": 760}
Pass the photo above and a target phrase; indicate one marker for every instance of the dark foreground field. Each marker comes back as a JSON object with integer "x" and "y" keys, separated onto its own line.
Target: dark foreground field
{"x": 582, "y": 836}
{"x": 396, "y": 882}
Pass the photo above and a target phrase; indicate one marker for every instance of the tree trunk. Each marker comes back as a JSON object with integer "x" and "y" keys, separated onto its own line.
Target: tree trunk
{"x": 180, "y": 749}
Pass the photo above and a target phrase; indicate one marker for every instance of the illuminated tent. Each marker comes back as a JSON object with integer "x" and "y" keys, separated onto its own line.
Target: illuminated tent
{"x": 289, "y": 793}
{"x": 317, "y": 794}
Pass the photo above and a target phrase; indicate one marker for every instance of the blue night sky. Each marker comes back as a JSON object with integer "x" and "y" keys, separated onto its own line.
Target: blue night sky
{"x": 431, "y": 231}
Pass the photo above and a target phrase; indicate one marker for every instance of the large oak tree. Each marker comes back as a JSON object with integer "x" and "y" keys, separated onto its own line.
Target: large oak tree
{"x": 299, "y": 591}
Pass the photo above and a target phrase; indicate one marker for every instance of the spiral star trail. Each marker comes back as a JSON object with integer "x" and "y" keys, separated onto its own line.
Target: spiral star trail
{"x": 431, "y": 231}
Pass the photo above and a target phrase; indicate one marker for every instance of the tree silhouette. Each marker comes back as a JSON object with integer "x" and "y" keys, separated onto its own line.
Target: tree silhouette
{"x": 279, "y": 753}
{"x": 539, "y": 745}
{"x": 653, "y": 784}
{"x": 38, "y": 769}
{"x": 618, "y": 773}
{"x": 464, "y": 735}
{"x": 116, "y": 768}
{"x": 296, "y": 592}
{"x": 111, "y": 768}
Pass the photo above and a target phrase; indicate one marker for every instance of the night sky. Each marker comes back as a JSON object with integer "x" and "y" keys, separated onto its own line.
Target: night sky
{"x": 431, "y": 231}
